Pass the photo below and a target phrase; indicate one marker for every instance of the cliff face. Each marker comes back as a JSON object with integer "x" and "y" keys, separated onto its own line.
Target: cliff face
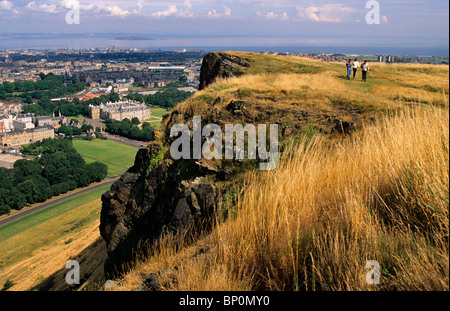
{"x": 156, "y": 195}
{"x": 159, "y": 195}
{"x": 221, "y": 65}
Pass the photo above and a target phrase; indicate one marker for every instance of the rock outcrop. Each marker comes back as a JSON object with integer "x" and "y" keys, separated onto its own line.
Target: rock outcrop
{"x": 155, "y": 196}
{"x": 221, "y": 65}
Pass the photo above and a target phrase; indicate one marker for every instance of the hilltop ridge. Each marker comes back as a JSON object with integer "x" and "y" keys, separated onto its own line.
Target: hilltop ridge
{"x": 306, "y": 99}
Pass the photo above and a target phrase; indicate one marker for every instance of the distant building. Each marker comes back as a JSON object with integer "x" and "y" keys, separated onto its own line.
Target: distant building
{"x": 386, "y": 59}
{"x": 27, "y": 118}
{"x": 120, "y": 110}
{"x": 390, "y": 59}
{"x": 27, "y": 136}
{"x": 6, "y": 123}
{"x": 23, "y": 125}
{"x": 52, "y": 121}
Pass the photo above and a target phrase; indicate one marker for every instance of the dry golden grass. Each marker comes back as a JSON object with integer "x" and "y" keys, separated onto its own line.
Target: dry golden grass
{"x": 328, "y": 209}
{"x": 305, "y": 82}
{"x": 332, "y": 205}
{"x": 39, "y": 252}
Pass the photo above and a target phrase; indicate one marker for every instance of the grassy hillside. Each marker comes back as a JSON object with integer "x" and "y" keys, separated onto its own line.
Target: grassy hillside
{"x": 38, "y": 245}
{"x": 335, "y": 201}
{"x": 118, "y": 157}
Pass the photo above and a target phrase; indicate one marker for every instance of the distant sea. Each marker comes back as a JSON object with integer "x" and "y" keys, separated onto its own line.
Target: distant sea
{"x": 250, "y": 44}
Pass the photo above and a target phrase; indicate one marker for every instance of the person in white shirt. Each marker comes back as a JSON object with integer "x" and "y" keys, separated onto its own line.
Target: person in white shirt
{"x": 355, "y": 66}
{"x": 365, "y": 68}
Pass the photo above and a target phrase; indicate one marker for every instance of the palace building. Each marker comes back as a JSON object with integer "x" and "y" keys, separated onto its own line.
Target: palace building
{"x": 120, "y": 110}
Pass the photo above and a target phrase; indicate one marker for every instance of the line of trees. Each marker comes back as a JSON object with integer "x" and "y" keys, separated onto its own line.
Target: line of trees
{"x": 168, "y": 98}
{"x": 50, "y": 86}
{"x": 129, "y": 128}
{"x": 69, "y": 109}
{"x": 59, "y": 169}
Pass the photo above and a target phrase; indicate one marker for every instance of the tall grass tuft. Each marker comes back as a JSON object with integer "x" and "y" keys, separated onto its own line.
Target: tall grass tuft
{"x": 328, "y": 209}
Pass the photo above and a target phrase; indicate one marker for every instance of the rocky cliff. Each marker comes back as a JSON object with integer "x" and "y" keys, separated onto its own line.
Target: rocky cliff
{"x": 159, "y": 195}
{"x": 221, "y": 65}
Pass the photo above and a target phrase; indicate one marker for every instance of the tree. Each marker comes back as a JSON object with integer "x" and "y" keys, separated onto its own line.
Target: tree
{"x": 97, "y": 170}
{"x": 86, "y": 127}
{"x": 77, "y": 131}
{"x": 6, "y": 177}
{"x": 24, "y": 169}
{"x": 135, "y": 121}
{"x": 30, "y": 189}
{"x": 17, "y": 200}
{"x": 66, "y": 130}
{"x": 4, "y": 204}
{"x": 81, "y": 177}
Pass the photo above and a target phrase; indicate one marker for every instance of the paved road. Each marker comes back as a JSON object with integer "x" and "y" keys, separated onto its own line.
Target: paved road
{"x": 126, "y": 141}
{"x": 54, "y": 202}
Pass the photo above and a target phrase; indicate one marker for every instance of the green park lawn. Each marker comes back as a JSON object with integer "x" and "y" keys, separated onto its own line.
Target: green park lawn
{"x": 117, "y": 156}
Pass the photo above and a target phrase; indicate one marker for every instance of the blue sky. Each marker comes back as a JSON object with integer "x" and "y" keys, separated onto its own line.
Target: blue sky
{"x": 403, "y": 22}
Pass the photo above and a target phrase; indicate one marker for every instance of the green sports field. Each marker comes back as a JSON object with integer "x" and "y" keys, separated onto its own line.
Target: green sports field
{"x": 117, "y": 156}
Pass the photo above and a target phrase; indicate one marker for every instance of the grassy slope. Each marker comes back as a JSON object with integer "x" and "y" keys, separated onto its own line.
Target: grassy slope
{"x": 62, "y": 231}
{"x": 331, "y": 205}
{"x": 117, "y": 156}
{"x": 38, "y": 245}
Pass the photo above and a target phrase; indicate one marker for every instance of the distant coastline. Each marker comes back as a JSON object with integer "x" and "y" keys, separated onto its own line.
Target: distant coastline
{"x": 205, "y": 43}
{"x": 134, "y": 38}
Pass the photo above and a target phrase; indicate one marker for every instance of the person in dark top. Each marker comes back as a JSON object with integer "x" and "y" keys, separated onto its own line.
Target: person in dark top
{"x": 349, "y": 68}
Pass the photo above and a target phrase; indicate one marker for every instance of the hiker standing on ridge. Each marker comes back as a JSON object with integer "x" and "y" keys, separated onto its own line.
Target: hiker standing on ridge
{"x": 355, "y": 66}
{"x": 349, "y": 68}
{"x": 365, "y": 68}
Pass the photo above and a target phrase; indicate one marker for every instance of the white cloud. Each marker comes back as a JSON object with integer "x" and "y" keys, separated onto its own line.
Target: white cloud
{"x": 172, "y": 10}
{"x": 227, "y": 11}
{"x": 44, "y": 8}
{"x": 116, "y": 11}
{"x": 140, "y": 5}
{"x": 327, "y": 13}
{"x": 6, "y": 5}
{"x": 275, "y": 16}
{"x": 187, "y": 4}
{"x": 215, "y": 14}
{"x": 183, "y": 10}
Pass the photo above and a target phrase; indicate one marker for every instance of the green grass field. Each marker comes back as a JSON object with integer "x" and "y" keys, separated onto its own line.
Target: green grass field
{"x": 38, "y": 245}
{"x": 21, "y": 238}
{"x": 9, "y": 230}
{"x": 159, "y": 112}
{"x": 117, "y": 156}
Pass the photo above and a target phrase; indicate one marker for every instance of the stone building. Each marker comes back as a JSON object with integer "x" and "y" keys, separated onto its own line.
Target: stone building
{"x": 27, "y": 136}
{"x": 120, "y": 110}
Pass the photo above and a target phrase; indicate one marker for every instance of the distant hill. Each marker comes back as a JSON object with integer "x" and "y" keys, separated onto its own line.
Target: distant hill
{"x": 133, "y": 38}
